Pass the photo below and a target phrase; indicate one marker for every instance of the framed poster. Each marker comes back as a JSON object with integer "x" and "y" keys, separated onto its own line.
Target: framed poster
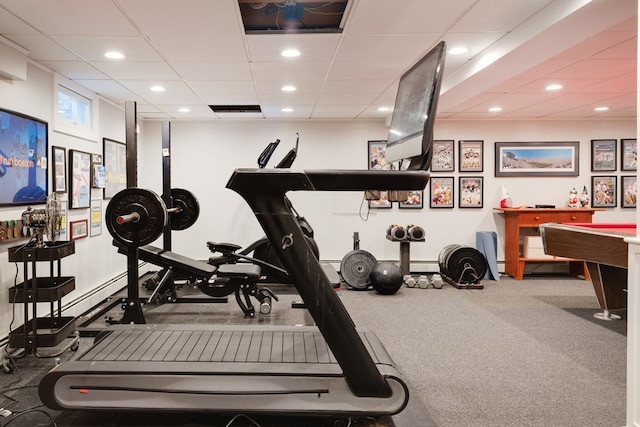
{"x": 603, "y": 154}
{"x": 115, "y": 167}
{"x": 443, "y": 156}
{"x": 382, "y": 203}
{"x": 377, "y": 159}
{"x": 471, "y": 156}
{"x": 603, "y": 191}
{"x": 441, "y": 192}
{"x": 79, "y": 229}
{"x": 471, "y": 192}
{"x": 414, "y": 200}
{"x": 629, "y": 154}
{"x": 79, "y": 179}
{"x": 537, "y": 158}
{"x": 96, "y": 217}
{"x": 59, "y": 159}
{"x": 629, "y": 191}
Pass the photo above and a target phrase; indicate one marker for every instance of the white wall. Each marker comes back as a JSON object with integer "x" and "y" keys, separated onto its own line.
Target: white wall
{"x": 95, "y": 260}
{"x": 205, "y": 154}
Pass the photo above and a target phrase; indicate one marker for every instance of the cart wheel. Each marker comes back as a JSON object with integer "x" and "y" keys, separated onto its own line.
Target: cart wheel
{"x": 7, "y": 368}
{"x": 75, "y": 346}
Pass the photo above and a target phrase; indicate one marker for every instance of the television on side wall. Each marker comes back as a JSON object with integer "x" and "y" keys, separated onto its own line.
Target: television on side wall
{"x": 23, "y": 159}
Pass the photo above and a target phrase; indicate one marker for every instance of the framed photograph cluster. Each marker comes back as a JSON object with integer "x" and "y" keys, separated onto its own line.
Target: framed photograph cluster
{"x": 441, "y": 192}
{"x": 604, "y": 155}
{"x": 471, "y": 192}
{"x": 629, "y": 154}
{"x": 59, "y": 159}
{"x": 443, "y": 156}
{"x": 470, "y": 156}
{"x": 79, "y": 179}
{"x": 629, "y": 191}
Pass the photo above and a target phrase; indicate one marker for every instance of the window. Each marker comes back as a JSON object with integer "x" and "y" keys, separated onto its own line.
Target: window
{"x": 76, "y": 109}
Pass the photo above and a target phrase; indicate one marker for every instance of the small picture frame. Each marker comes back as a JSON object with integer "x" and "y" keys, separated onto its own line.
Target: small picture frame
{"x": 471, "y": 154}
{"x": 441, "y": 192}
{"x": 629, "y": 191}
{"x": 604, "y": 191}
{"x": 470, "y": 189}
{"x": 382, "y": 203}
{"x": 59, "y": 160}
{"x": 96, "y": 217}
{"x": 79, "y": 179}
{"x": 414, "y": 200}
{"x": 377, "y": 159}
{"x": 443, "y": 156}
{"x": 603, "y": 154}
{"x": 629, "y": 154}
{"x": 78, "y": 229}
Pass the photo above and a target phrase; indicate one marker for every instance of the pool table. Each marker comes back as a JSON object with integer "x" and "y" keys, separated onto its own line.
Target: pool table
{"x": 602, "y": 247}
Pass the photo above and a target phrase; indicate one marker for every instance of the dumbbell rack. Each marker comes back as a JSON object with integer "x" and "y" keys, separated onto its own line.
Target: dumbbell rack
{"x": 42, "y": 331}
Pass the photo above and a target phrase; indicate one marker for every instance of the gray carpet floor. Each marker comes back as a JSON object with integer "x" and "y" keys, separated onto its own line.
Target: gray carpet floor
{"x": 516, "y": 353}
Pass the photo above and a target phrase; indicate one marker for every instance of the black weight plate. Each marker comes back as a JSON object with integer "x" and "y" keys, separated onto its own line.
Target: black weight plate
{"x": 148, "y": 205}
{"x": 355, "y": 268}
{"x": 189, "y": 209}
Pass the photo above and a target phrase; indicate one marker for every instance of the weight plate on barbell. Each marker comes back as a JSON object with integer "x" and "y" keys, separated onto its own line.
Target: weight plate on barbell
{"x": 188, "y": 209}
{"x": 152, "y": 213}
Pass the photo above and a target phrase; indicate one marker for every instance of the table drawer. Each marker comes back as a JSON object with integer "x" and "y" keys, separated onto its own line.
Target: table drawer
{"x": 533, "y": 219}
{"x": 574, "y": 217}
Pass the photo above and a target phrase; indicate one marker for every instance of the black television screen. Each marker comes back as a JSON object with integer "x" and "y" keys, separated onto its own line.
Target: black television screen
{"x": 411, "y": 130}
{"x": 23, "y": 159}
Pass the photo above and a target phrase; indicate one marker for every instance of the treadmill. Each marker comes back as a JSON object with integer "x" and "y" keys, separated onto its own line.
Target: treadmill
{"x": 331, "y": 369}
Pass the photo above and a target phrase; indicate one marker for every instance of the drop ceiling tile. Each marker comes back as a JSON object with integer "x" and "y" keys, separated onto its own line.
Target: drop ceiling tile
{"x": 312, "y": 47}
{"x": 72, "y": 17}
{"x": 184, "y": 17}
{"x": 288, "y": 99}
{"x": 223, "y": 87}
{"x": 74, "y": 69}
{"x": 339, "y": 99}
{"x": 146, "y": 71}
{"x": 290, "y": 71}
{"x": 356, "y": 87}
{"x": 200, "y": 49}
{"x": 220, "y": 71}
{"x": 93, "y": 48}
{"x": 404, "y": 17}
{"x": 595, "y": 68}
{"x": 11, "y": 25}
{"x": 235, "y": 99}
{"x": 375, "y": 70}
{"x": 304, "y": 87}
{"x": 42, "y": 48}
{"x": 404, "y": 48}
{"x": 498, "y": 15}
{"x": 102, "y": 86}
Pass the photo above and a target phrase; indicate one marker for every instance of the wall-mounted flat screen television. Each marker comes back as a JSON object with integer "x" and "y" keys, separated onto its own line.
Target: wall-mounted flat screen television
{"x": 23, "y": 159}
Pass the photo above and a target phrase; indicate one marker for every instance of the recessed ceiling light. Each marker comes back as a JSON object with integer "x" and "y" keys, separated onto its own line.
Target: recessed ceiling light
{"x": 287, "y": 110}
{"x": 157, "y": 88}
{"x": 601, "y": 109}
{"x": 184, "y": 110}
{"x": 495, "y": 109}
{"x": 383, "y": 109}
{"x": 290, "y": 53}
{"x": 554, "y": 86}
{"x": 114, "y": 55}
{"x": 288, "y": 88}
{"x": 458, "y": 50}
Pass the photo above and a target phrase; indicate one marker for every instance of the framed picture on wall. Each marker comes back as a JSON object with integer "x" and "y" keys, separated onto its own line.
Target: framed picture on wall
{"x": 604, "y": 191}
{"x": 414, "y": 200}
{"x": 381, "y": 203}
{"x": 441, "y": 192}
{"x": 629, "y": 154}
{"x": 79, "y": 179}
{"x": 471, "y": 156}
{"x": 537, "y": 158}
{"x": 629, "y": 191}
{"x": 443, "y": 156}
{"x": 603, "y": 154}
{"x": 377, "y": 159}
{"x": 59, "y": 160}
{"x": 79, "y": 229}
{"x": 115, "y": 167}
{"x": 470, "y": 190}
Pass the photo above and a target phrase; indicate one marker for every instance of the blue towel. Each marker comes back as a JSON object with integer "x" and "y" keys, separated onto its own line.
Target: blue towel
{"x": 487, "y": 243}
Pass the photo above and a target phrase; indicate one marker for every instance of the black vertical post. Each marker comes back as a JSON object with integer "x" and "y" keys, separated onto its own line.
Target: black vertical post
{"x": 166, "y": 181}
{"x": 133, "y": 310}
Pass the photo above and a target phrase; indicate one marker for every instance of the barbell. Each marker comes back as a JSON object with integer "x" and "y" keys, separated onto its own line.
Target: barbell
{"x": 136, "y": 216}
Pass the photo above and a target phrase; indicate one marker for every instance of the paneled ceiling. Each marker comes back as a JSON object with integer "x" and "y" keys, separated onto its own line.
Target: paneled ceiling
{"x": 199, "y": 52}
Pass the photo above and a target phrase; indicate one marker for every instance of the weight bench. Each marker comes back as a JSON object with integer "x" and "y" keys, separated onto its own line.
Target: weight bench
{"x": 214, "y": 281}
